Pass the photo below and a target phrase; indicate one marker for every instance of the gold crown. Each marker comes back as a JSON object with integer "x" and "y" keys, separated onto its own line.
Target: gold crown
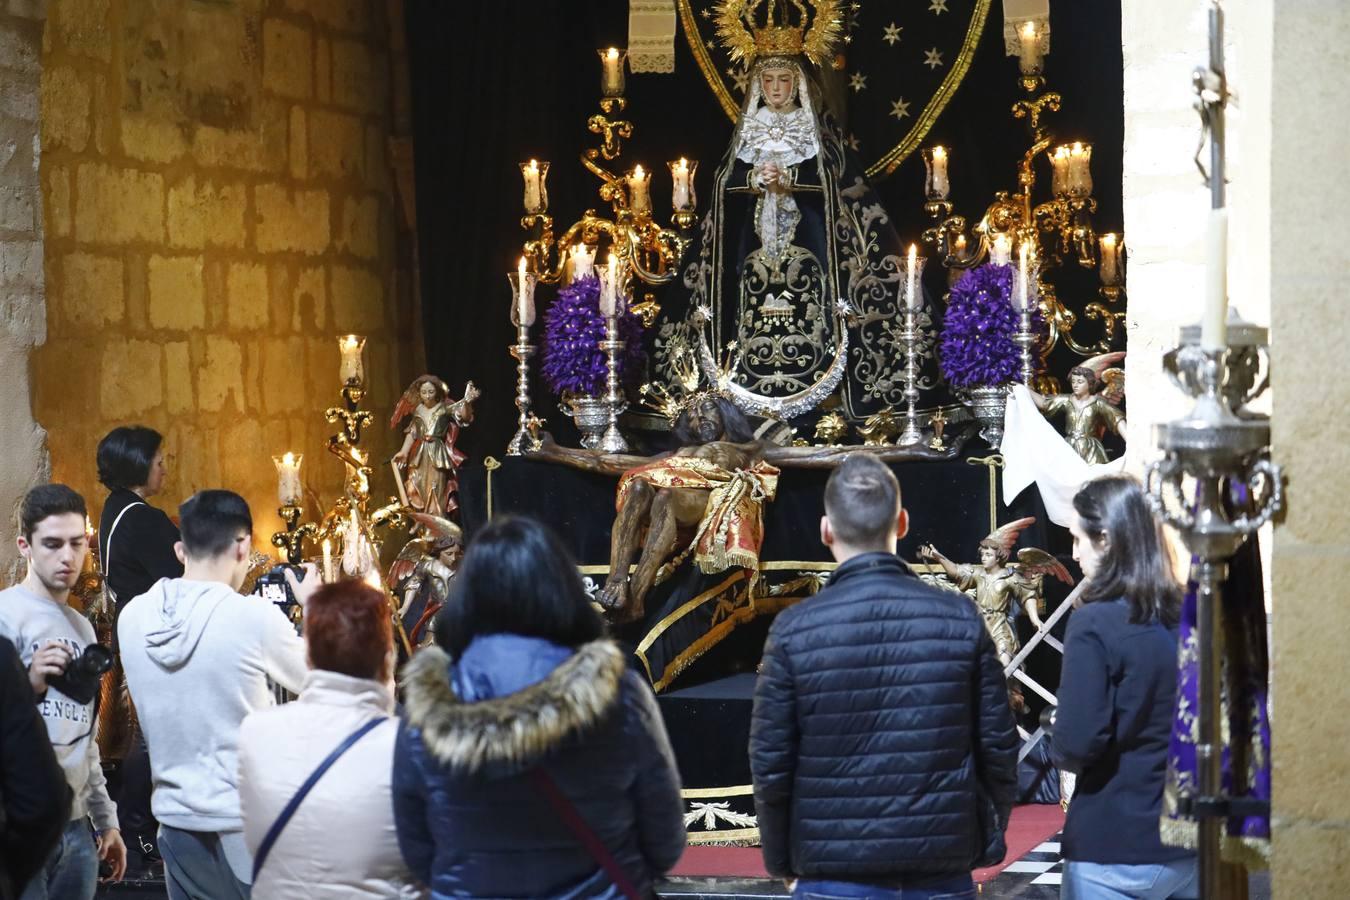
{"x": 758, "y": 28}
{"x": 686, "y": 391}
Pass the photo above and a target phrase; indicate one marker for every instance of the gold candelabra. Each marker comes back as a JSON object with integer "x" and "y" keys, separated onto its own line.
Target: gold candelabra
{"x": 645, "y": 249}
{"x": 1056, "y": 231}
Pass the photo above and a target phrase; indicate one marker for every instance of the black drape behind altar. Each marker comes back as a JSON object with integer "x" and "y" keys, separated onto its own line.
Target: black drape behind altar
{"x": 496, "y": 84}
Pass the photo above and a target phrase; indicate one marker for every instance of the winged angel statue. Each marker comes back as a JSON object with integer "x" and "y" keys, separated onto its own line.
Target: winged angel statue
{"x": 997, "y": 582}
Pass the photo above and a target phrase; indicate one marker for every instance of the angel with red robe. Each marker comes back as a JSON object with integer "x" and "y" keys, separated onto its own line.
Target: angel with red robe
{"x": 428, "y": 462}
{"x": 997, "y": 583}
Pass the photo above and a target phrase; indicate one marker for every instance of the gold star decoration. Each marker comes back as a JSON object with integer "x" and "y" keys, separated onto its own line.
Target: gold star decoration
{"x": 858, "y": 82}
{"x": 937, "y": 7}
{"x": 739, "y": 77}
{"x": 932, "y": 58}
{"x": 707, "y": 13}
{"x": 892, "y": 33}
{"x": 900, "y": 108}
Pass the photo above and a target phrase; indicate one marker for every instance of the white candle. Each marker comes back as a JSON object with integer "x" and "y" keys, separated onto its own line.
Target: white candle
{"x": 938, "y": 187}
{"x": 1110, "y": 262}
{"x": 583, "y": 261}
{"x": 535, "y": 175}
{"x": 329, "y": 576}
{"x": 1029, "y": 49}
{"x": 611, "y": 71}
{"x": 1020, "y": 295}
{"x": 1059, "y": 171}
{"x": 1214, "y": 323}
{"x": 524, "y": 295}
{"x": 911, "y": 278}
{"x": 1001, "y": 253}
{"x": 682, "y": 185}
{"x": 288, "y": 478}
{"x": 960, "y": 247}
{"x": 352, "y": 369}
{"x": 639, "y": 190}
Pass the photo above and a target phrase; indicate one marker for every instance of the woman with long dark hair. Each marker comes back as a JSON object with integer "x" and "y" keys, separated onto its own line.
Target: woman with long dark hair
{"x": 136, "y": 549}
{"x": 533, "y": 762}
{"x": 1116, "y": 700}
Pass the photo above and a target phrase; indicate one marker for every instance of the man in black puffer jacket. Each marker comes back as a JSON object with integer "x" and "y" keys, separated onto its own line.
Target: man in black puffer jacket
{"x": 883, "y": 750}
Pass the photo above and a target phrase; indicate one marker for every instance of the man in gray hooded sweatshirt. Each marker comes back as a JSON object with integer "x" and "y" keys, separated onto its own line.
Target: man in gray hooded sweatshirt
{"x": 197, "y": 656}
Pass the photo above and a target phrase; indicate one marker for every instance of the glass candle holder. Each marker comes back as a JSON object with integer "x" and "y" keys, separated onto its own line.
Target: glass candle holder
{"x": 1110, "y": 269}
{"x": 682, "y": 196}
{"x": 352, "y": 367}
{"x": 1080, "y": 171}
{"x": 289, "y": 491}
{"x": 1030, "y": 49}
{"x": 535, "y": 175}
{"x": 639, "y": 190}
{"x": 611, "y": 71}
{"x": 522, "y": 295}
{"x": 914, "y": 278}
{"x": 936, "y": 185}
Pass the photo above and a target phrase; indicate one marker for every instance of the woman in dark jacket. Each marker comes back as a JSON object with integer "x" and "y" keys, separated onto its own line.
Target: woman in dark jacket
{"x": 136, "y": 548}
{"x": 1116, "y": 700}
{"x": 533, "y": 762}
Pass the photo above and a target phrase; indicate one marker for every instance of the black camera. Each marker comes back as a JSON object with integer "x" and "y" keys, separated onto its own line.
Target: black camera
{"x": 273, "y": 586}
{"x": 80, "y": 680}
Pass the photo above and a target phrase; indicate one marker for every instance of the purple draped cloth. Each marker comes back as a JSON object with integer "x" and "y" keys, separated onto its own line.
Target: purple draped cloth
{"x": 1244, "y": 691}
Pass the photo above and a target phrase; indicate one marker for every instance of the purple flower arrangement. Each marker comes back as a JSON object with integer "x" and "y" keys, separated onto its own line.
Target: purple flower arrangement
{"x": 573, "y": 362}
{"x": 977, "y": 346}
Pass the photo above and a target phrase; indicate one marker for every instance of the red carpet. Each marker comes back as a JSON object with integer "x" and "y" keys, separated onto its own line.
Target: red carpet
{"x": 1030, "y": 826}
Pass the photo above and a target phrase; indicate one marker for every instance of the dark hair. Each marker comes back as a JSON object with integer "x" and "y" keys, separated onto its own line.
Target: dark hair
{"x": 125, "y": 455}
{"x": 736, "y": 427}
{"x": 211, "y": 521}
{"x": 347, "y": 630}
{"x": 862, "y": 500}
{"x": 45, "y": 501}
{"x": 1136, "y": 563}
{"x": 518, "y": 578}
{"x": 1093, "y": 381}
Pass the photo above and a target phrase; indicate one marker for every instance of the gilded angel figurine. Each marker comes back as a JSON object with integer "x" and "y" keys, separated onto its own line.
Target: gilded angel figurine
{"x": 421, "y": 574}
{"x": 1098, "y": 387}
{"x": 427, "y": 463}
{"x": 997, "y": 583}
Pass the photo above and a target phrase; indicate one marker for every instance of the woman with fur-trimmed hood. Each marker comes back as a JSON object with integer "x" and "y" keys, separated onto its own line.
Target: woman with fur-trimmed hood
{"x": 525, "y": 728}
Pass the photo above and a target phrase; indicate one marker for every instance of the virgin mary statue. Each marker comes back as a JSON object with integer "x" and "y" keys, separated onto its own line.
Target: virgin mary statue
{"x": 790, "y": 288}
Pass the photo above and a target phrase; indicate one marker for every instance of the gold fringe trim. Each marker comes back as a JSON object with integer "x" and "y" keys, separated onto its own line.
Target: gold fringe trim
{"x": 731, "y": 837}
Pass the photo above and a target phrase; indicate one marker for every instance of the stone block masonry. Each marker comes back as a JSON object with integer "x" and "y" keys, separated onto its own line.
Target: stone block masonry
{"x": 213, "y": 179}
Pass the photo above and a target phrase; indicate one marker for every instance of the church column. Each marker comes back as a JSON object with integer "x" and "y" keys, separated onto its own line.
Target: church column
{"x": 1310, "y": 217}
{"x": 23, "y": 311}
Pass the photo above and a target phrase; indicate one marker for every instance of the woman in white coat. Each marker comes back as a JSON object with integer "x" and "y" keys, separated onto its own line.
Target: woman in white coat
{"x": 340, "y": 842}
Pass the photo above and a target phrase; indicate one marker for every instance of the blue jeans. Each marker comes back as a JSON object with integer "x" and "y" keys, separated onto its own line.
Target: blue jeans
{"x": 1117, "y": 881}
{"x": 196, "y": 866}
{"x": 71, "y": 869}
{"x": 942, "y": 887}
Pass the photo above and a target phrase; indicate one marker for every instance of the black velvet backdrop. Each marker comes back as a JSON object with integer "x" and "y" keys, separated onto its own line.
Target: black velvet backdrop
{"x": 495, "y": 84}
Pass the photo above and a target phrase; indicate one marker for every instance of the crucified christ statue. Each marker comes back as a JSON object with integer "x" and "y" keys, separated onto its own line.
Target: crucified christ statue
{"x": 706, "y": 496}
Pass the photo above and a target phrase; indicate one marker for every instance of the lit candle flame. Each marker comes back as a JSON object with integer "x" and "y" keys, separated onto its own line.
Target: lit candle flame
{"x": 939, "y": 152}
{"x": 612, "y": 53}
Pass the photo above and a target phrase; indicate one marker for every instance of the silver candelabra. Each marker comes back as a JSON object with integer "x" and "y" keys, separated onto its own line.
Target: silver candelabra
{"x": 1025, "y": 338}
{"x": 522, "y": 350}
{"x": 910, "y": 336}
{"x": 612, "y": 441}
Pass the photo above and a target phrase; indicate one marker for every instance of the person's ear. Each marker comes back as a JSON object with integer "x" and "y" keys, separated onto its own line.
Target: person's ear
{"x": 826, "y": 532}
{"x": 25, "y": 549}
{"x": 179, "y": 552}
{"x": 902, "y": 524}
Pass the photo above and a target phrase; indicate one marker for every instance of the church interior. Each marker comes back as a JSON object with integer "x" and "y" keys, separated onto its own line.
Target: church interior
{"x": 392, "y": 268}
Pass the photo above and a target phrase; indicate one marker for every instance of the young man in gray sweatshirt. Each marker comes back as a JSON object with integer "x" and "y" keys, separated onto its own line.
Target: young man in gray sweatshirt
{"x": 198, "y": 656}
{"x": 36, "y": 617}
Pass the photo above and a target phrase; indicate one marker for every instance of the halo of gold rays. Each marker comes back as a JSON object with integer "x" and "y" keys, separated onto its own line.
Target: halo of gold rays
{"x": 746, "y": 35}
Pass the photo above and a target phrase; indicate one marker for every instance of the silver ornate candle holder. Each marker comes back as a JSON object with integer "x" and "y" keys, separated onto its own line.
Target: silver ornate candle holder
{"x": 612, "y": 441}
{"x": 1209, "y": 450}
{"x": 522, "y": 350}
{"x": 912, "y": 338}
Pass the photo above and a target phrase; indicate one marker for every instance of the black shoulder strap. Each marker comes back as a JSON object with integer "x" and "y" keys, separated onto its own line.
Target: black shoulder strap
{"x": 275, "y": 831}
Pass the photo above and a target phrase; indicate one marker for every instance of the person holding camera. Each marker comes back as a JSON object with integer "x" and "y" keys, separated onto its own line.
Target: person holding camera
{"x": 65, "y": 664}
{"x": 198, "y": 656}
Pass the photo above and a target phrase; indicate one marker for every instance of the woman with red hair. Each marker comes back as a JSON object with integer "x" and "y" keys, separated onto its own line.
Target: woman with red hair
{"x": 339, "y": 841}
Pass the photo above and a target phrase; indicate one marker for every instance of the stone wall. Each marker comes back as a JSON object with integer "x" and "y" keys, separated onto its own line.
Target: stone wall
{"x": 220, "y": 207}
{"x": 1310, "y": 214}
{"x": 23, "y": 317}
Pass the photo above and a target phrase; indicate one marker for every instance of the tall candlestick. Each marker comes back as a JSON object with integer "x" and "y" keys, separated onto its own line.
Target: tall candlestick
{"x": 682, "y": 197}
{"x": 611, "y": 71}
{"x": 1110, "y": 262}
{"x": 582, "y": 259}
{"x": 937, "y": 186}
{"x": 522, "y": 350}
{"x": 352, "y": 369}
{"x": 289, "y": 491}
{"x": 1214, "y": 323}
{"x": 1000, "y": 254}
{"x": 535, "y": 175}
{"x": 639, "y": 190}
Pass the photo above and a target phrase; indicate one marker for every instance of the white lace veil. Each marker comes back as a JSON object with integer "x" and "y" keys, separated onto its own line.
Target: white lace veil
{"x": 754, "y": 102}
